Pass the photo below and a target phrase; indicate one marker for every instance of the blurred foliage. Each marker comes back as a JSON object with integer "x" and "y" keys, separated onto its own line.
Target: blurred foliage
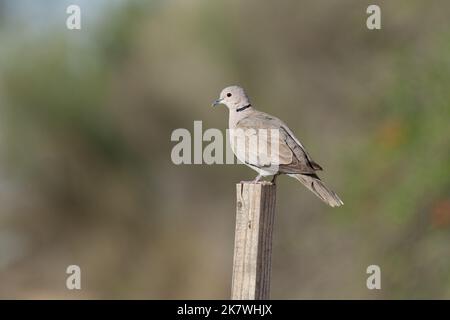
{"x": 86, "y": 176}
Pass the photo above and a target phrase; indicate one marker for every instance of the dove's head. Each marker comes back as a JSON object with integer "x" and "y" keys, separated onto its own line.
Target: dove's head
{"x": 233, "y": 97}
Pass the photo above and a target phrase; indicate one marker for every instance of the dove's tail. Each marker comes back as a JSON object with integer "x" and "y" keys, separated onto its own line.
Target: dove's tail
{"x": 313, "y": 183}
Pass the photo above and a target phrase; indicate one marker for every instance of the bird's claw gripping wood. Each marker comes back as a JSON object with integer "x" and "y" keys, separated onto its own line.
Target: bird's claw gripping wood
{"x": 274, "y": 178}
{"x": 264, "y": 182}
{"x": 258, "y": 177}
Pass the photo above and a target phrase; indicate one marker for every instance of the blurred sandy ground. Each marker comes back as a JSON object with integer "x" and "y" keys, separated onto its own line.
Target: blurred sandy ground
{"x": 86, "y": 117}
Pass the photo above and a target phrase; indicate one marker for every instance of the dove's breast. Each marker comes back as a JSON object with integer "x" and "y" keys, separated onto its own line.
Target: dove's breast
{"x": 253, "y": 148}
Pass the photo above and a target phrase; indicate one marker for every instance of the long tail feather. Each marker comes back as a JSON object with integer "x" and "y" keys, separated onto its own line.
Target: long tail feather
{"x": 313, "y": 183}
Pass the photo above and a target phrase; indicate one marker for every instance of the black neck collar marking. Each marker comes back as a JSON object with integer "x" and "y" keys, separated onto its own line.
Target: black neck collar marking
{"x": 243, "y": 108}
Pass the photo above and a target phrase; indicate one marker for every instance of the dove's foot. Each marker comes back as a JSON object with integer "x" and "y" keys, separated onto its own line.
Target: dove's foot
{"x": 274, "y": 178}
{"x": 256, "y": 180}
{"x": 258, "y": 177}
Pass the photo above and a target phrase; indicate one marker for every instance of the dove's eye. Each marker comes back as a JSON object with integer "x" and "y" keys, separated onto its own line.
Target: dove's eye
{"x": 228, "y": 95}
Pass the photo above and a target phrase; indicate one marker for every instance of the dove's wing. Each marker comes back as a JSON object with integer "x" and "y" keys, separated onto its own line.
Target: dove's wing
{"x": 262, "y": 150}
{"x": 302, "y": 162}
{"x": 254, "y": 143}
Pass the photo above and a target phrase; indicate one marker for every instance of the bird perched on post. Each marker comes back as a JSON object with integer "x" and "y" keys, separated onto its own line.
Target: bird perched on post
{"x": 279, "y": 152}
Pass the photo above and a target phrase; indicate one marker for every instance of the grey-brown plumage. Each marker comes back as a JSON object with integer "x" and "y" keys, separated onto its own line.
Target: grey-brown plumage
{"x": 276, "y": 151}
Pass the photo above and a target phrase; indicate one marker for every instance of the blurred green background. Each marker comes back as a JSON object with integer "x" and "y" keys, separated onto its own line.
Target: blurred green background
{"x": 86, "y": 117}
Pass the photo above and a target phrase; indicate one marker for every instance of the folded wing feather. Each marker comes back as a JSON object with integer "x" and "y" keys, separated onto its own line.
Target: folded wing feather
{"x": 261, "y": 149}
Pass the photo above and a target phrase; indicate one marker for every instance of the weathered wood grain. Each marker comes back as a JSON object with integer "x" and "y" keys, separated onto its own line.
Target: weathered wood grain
{"x": 255, "y": 212}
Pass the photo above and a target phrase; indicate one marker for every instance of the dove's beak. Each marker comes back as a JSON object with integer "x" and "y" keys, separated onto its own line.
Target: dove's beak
{"x": 215, "y": 103}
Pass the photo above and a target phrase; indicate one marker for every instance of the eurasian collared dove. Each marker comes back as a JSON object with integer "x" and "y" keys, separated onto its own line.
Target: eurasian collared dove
{"x": 288, "y": 157}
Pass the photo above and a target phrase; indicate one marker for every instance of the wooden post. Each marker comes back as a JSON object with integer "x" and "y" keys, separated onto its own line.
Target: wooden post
{"x": 253, "y": 240}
